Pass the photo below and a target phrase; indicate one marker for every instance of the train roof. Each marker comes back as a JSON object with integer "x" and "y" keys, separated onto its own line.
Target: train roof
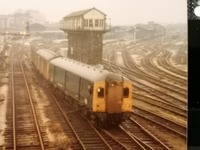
{"x": 88, "y": 72}
{"x": 46, "y": 54}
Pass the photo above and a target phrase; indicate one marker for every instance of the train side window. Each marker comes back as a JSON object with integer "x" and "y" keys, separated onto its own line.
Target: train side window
{"x": 100, "y": 92}
{"x": 126, "y": 92}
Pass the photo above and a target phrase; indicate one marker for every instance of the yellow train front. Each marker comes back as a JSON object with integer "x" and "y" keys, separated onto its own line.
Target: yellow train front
{"x": 112, "y": 99}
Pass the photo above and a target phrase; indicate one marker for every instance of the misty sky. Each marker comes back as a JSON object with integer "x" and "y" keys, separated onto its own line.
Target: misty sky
{"x": 121, "y": 12}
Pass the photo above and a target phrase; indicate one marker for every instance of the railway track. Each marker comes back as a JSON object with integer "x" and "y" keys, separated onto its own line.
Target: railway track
{"x": 171, "y": 105}
{"x": 158, "y": 86}
{"x": 176, "y": 92}
{"x": 123, "y": 136}
{"x": 168, "y": 125}
{"x": 151, "y": 89}
{"x": 144, "y": 137}
{"x": 86, "y": 135}
{"x": 26, "y": 132}
{"x": 112, "y": 141}
{"x": 164, "y": 56}
{"x": 64, "y": 137}
{"x": 164, "y": 61}
{"x": 147, "y": 62}
{"x": 161, "y": 104}
{"x": 130, "y": 63}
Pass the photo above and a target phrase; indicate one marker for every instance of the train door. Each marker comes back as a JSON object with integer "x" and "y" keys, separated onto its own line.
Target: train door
{"x": 114, "y": 97}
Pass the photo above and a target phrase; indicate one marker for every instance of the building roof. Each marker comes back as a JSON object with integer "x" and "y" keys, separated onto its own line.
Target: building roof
{"x": 81, "y": 13}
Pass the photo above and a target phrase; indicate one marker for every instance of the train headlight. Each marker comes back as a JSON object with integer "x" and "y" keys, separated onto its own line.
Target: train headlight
{"x": 98, "y": 90}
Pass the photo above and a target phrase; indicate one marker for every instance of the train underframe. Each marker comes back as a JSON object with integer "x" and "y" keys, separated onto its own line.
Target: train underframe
{"x": 106, "y": 120}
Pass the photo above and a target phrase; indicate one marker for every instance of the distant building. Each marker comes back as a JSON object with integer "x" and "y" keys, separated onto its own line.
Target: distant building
{"x": 149, "y": 31}
{"x": 116, "y": 32}
{"x": 2, "y": 22}
{"x": 18, "y": 20}
{"x": 36, "y": 27}
{"x": 36, "y": 17}
{"x": 137, "y": 32}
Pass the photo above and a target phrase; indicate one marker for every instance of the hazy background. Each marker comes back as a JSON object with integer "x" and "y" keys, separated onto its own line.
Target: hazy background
{"x": 121, "y": 12}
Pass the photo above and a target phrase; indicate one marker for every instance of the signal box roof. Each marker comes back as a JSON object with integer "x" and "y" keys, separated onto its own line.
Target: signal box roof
{"x": 82, "y": 12}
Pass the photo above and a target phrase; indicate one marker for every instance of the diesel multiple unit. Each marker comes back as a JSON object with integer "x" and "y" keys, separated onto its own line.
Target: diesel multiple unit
{"x": 104, "y": 96}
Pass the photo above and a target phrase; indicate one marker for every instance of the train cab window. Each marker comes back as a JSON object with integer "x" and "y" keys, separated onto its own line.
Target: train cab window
{"x": 126, "y": 92}
{"x": 90, "y": 23}
{"x": 100, "y": 92}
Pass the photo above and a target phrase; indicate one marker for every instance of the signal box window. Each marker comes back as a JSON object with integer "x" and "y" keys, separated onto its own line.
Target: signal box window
{"x": 100, "y": 92}
{"x": 101, "y": 23}
{"x": 96, "y": 22}
{"x": 90, "y": 23}
{"x": 126, "y": 92}
{"x": 86, "y": 22}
